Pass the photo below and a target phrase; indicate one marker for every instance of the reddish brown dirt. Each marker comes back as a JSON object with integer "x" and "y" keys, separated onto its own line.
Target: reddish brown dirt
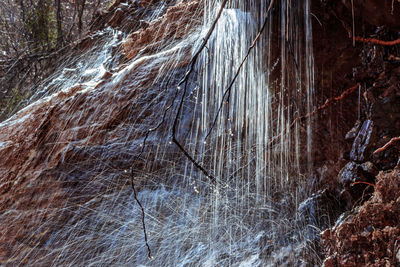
{"x": 370, "y": 235}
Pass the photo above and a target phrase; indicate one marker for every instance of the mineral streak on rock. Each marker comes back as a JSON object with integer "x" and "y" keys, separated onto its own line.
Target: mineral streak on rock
{"x": 173, "y": 25}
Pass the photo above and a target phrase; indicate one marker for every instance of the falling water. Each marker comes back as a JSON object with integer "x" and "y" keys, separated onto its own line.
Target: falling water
{"x": 257, "y": 150}
{"x": 249, "y": 136}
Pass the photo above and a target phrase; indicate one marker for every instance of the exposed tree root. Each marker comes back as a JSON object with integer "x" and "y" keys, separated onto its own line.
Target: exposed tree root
{"x": 376, "y": 41}
{"x": 362, "y": 39}
{"x": 388, "y": 144}
{"x": 333, "y": 99}
{"x": 360, "y": 182}
{"x": 324, "y": 106}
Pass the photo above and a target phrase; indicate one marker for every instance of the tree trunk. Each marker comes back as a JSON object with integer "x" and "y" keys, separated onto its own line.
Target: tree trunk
{"x": 81, "y": 8}
{"x": 60, "y": 37}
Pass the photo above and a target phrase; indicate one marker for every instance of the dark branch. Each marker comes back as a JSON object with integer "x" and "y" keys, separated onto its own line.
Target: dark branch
{"x": 182, "y": 100}
{"x": 143, "y": 214}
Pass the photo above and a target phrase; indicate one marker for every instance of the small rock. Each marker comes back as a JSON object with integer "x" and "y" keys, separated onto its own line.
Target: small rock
{"x": 361, "y": 141}
{"x": 353, "y": 132}
{"x": 350, "y": 173}
{"x": 317, "y": 211}
{"x": 369, "y": 168}
{"x": 106, "y": 75}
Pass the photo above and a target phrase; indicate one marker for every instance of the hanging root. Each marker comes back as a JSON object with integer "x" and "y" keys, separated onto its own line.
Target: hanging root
{"x": 388, "y": 144}
{"x": 362, "y": 39}
{"x": 324, "y": 106}
{"x": 376, "y": 41}
{"x": 333, "y": 99}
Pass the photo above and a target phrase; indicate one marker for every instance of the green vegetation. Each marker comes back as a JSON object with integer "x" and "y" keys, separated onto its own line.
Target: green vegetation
{"x": 12, "y": 103}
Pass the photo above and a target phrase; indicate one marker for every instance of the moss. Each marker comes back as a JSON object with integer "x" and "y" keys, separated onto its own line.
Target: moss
{"x": 8, "y": 107}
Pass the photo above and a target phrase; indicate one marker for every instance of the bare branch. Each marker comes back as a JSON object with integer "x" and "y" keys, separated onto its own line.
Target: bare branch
{"x": 143, "y": 214}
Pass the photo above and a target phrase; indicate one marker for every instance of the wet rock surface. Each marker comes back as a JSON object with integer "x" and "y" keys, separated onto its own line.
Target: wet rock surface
{"x": 376, "y": 12}
{"x": 317, "y": 212}
{"x": 361, "y": 141}
{"x": 55, "y": 152}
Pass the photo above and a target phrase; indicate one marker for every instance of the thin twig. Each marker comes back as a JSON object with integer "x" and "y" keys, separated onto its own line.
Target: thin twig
{"x": 344, "y": 24}
{"x": 159, "y": 124}
{"x": 228, "y": 90}
{"x": 292, "y": 54}
{"x": 138, "y": 156}
{"x": 203, "y": 45}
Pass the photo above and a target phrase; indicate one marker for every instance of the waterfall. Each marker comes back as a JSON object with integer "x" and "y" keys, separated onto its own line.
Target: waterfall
{"x": 250, "y": 137}
{"x": 257, "y": 150}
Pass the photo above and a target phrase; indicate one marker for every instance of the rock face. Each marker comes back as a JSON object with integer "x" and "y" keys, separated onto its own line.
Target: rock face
{"x": 54, "y": 152}
{"x": 377, "y": 12}
{"x": 173, "y": 25}
{"x": 366, "y": 233}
